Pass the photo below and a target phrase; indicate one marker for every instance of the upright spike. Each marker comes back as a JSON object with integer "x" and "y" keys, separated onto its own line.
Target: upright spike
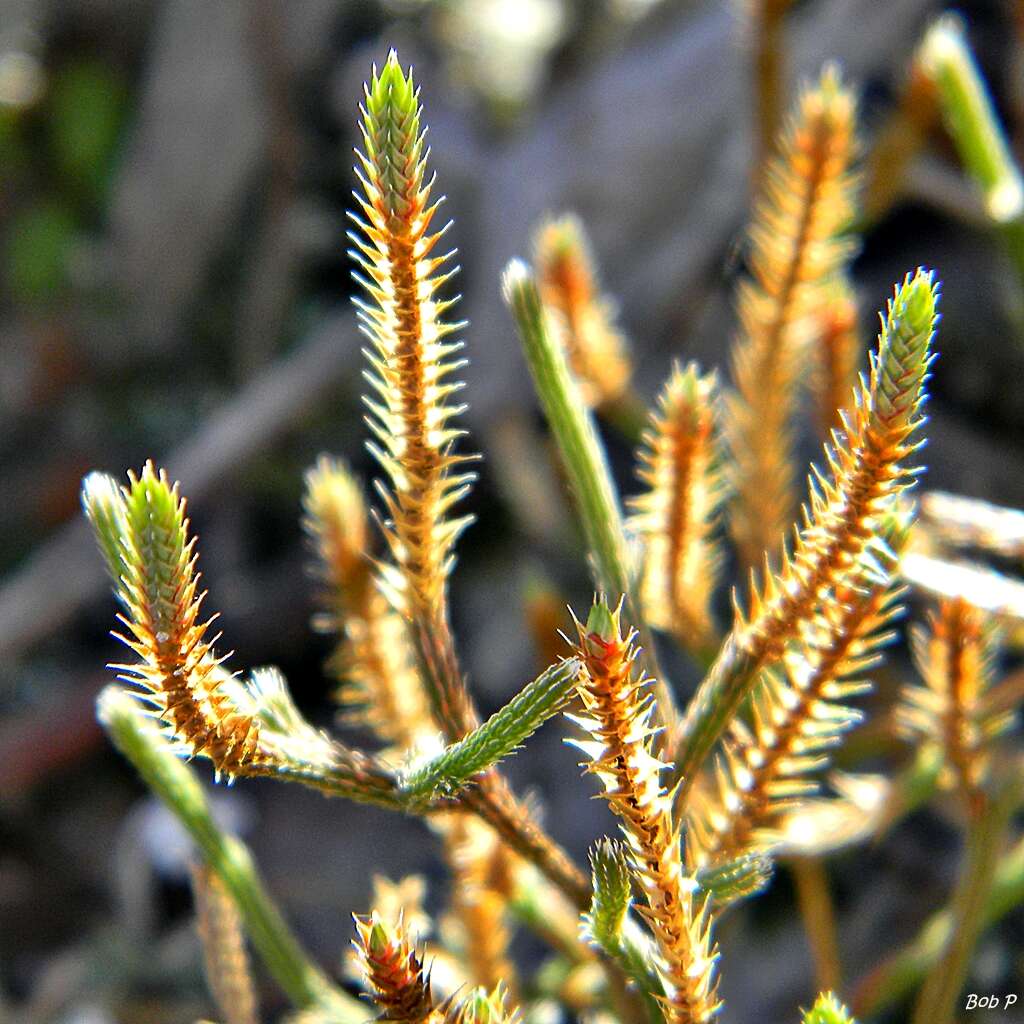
{"x": 374, "y": 662}
{"x": 584, "y": 318}
{"x": 619, "y": 751}
{"x": 393, "y": 972}
{"x": 411, "y": 356}
{"x": 676, "y": 516}
{"x": 955, "y": 658}
{"x": 795, "y": 245}
{"x": 842, "y": 522}
{"x": 177, "y": 670}
{"x": 827, "y": 1010}
{"x": 482, "y": 1006}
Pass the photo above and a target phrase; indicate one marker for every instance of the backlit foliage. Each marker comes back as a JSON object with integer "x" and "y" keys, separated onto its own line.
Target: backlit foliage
{"x": 707, "y": 802}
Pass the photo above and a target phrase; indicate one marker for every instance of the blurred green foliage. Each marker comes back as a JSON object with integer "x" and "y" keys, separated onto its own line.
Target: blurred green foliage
{"x": 86, "y": 110}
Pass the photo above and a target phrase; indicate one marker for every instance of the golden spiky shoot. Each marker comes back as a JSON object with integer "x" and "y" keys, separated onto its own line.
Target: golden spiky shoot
{"x": 582, "y": 315}
{"x": 843, "y": 522}
{"x": 795, "y": 245}
{"x": 178, "y": 674}
{"x": 380, "y": 687}
{"x": 618, "y": 710}
{"x": 955, "y": 657}
{"x": 393, "y": 971}
{"x": 411, "y": 354}
{"x": 226, "y": 960}
{"x": 676, "y": 516}
{"x": 799, "y": 714}
{"x": 839, "y": 351}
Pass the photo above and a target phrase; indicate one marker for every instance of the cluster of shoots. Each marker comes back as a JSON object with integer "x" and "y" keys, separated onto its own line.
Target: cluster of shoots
{"x": 707, "y": 798}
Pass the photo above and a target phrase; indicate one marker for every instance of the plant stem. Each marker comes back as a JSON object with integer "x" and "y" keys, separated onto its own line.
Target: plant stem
{"x": 815, "y": 901}
{"x": 585, "y": 463}
{"x": 937, "y": 1002}
{"x": 975, "y": 129}
{"x": 174, "y": 783}
{"x": 498, "y": 737}
{"x": 493, "y": 802}
{"x": 491, "y": 798}
{"x": 897, "y": 976}
{"x": 558, "y": 926}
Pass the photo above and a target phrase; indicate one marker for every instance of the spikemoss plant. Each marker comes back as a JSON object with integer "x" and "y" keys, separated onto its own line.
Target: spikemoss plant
{"x": 708, "y": 799}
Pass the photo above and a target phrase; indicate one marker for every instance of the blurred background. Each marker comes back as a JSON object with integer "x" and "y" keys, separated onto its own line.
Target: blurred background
{"x": 174, "y": 176}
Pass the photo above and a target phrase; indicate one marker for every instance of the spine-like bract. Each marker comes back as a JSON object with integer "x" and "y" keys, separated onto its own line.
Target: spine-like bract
{"x": 795, "y": 245}
{"x": 618, "y": 711}
{"x": 373, "y": 661}
{"x": 583, "y": 317}
{"x": 955, "y": 659}
{"x": 179, "y": 674}
{"x": 680, "y": 464}
{"x": 842, "y": 522}
{"x": 411, "y": 355}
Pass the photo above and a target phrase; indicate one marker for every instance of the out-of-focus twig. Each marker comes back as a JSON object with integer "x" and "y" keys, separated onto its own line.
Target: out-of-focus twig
{"x": 971, "y": 120}
{"x": 938, "y": 998}
{"x": 768, "y": 43}
{"x": 268, "y": 287}
{"x": 65, "y": 573}
{"x": 818, "y": 912}
{"x": 999, "y": 595}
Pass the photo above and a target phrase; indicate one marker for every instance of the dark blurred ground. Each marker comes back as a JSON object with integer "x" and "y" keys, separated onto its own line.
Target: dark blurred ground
{"x": 173, "y": 183}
